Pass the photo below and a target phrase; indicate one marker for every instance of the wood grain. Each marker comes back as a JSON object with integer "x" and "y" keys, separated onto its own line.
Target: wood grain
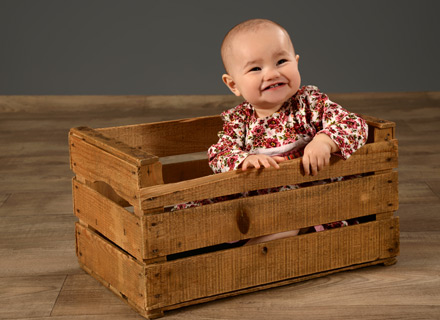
{"x": 22, "y": 297}
{"x": 113, "y": 221}
{"x": 212, "y": 224}
{"x": 169, "y": 137}
{"x": 125, "y": 274}
{"x": 372, "y": 157}
{"x": 230, "y": 270}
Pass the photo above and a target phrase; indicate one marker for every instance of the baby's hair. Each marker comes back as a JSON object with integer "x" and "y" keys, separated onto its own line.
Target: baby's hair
{"x": 248, "y": 25}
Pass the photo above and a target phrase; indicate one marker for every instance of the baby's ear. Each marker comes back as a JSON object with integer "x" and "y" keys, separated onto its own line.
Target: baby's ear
{"x": 230, "y": 83}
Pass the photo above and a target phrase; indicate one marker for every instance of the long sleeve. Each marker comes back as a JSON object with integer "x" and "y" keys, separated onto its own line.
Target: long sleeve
{"x": 346, "y": 129}
{"x": 229, "y": 152}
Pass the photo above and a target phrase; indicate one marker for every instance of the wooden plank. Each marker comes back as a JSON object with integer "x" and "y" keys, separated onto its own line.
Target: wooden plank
{"x": 384, "y": 215}
{"x": 26, "y": 297}
{"x": 168, "y": 138}
{"x": 3, "y": 198}
{"x": 82, "y": 297}
{"x": 379, "y": 129}
{"x": 377, "y": 122}
{"x": 114, "y": 106}
{"x": 371, "y": 157}
{"x": 105, "y": 190}
{"x": 176, "y": 172}
{"x": 230, "y": 270}
{"x": 186, "y": 135}
{"x": 390, "y": 233}
{"x": 95, "y": 164}
{"x": 113, "y": 221}
{"x": 388, "y": 261}
{"x": 383, "y": 134}
{"x": 193, "y": 228}
{"x": 114, "y": 146}
{"x": 105, "y": 261}
{"x": 116, "y": 290}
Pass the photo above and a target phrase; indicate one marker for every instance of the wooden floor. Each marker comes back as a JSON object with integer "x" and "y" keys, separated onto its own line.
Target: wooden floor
{"x": 39, "y": 275}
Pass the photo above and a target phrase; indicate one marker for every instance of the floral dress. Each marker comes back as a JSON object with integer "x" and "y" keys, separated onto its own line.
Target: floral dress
{"x": 306, "y": 114}
{"x": 284, "y": 133}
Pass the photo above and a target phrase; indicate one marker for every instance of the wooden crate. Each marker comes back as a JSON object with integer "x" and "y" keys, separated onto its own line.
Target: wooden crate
{"x": 129, "y": 240}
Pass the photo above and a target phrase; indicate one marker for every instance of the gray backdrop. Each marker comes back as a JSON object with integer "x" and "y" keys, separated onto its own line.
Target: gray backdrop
{"x": 172, "y": 47}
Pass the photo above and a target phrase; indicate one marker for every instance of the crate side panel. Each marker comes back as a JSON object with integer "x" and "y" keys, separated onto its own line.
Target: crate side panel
{"x": 113, "y": 146}
{"x": 230, "y": 270}
{"x": 170, "y": 137}
{"x": 107, "y": 217}
{"x": 249, "y": 217}
{"x": 122, "y": 272}
{"x": 95, "y": 164}
{"x": 372, "y": 157}
{"x": 175, "y": 172}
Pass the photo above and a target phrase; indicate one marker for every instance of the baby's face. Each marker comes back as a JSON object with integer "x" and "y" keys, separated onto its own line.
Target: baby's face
{"x": 263, "y": 68}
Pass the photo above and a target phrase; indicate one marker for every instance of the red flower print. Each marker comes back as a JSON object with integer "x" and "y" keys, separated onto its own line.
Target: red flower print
{"x": 229, "y": 129}
{"x": 258, "y": 131}
{"x": 273, "y": 123}
{"x": 272, "y": 143}
{"x": 258, "y": 142}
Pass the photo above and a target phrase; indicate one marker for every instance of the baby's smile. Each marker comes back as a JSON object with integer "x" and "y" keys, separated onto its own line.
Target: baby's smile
{"x": 274, "y": 86}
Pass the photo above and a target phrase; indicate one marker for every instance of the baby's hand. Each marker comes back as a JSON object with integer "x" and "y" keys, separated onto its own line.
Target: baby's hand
{"x": 317, "y": 153}
{"x": 258, "y": 160}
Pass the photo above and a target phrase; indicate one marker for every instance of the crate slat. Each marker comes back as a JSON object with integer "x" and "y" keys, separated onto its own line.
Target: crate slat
{"x": 210, "y": 274}
{"x": 113, "y": 221}
{"x": 372, "y": 157}
{"x": 170, "y": 283}
{"x": 169, "y": 138}
{"x": 193, "y": 228}
{"x": 96, "y": 164}
{"x": 175, "y": 172}
{"x": 114, "y": 146}
{"x": 123, "y": 273}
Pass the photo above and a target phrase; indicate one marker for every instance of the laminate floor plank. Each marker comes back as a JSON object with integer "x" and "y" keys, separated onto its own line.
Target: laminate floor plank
{"x": 59, "y": 259}
{"x": 419, "y": 216}
{"x": 34, "y": 231}
{"x": 38, "y": 204}
{"x": 29, "y": 296}
{"x": 283, "y": 312}
{"x": 88, "y": 317}
{"x": 417, "y": 192}
{"x": 434, "y": 184}
{"x": 91, "y": 299}
{"x": 3, "y": 198}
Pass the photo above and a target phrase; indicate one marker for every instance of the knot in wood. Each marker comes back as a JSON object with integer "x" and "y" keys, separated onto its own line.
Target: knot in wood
{"x": 243, "y": 221}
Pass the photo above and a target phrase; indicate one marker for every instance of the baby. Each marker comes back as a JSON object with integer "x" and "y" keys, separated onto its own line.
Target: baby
{"x": 278, "y": 116}
{"x": 279, "y": 120}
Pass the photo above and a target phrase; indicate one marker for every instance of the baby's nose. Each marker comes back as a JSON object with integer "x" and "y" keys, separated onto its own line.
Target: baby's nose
{"x": 271, "y": 73}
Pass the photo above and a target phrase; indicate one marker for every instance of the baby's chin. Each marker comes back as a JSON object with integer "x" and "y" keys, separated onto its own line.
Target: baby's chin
{"x": 276, "y": 100}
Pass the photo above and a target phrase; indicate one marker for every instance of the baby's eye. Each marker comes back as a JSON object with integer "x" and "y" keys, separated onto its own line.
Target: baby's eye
{"x": 255, "y": 69}
{"x": 281, "y": 61}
